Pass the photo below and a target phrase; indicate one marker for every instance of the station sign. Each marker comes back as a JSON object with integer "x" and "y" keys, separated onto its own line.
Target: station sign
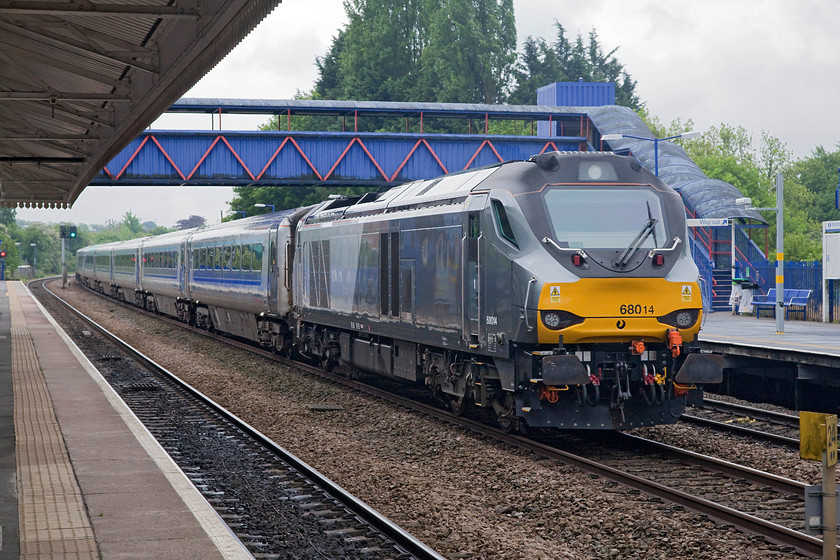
{"x": 707, "y": 222}
{"x": 831, "y": 227}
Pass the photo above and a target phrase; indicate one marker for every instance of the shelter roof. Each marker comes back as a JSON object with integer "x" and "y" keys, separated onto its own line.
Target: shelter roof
{"x": 80, "y": 79}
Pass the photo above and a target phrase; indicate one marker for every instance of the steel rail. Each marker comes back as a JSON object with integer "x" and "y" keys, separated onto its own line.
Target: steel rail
{"x": 792, "y": 443}
{"x": 402, "y": 538}
{"x": 756, "y": 413}
{"x": 749, "y": 523}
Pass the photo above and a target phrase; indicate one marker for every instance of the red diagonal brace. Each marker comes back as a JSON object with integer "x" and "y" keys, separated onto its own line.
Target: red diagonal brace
{"x": 347, "y": 149}
{"x": 478, "y": 151}
{"x": 411, "y": 152}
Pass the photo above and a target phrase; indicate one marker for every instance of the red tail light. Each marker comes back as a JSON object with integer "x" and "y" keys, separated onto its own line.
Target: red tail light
{"x": 577, "y": 260}
{"x": 658, "y": 260}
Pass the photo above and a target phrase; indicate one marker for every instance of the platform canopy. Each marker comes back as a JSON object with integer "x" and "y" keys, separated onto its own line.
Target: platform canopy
{"x": 80, "y": 79}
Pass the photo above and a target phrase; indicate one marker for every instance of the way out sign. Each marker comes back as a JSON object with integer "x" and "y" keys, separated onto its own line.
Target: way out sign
{"x": 818, "y": 433}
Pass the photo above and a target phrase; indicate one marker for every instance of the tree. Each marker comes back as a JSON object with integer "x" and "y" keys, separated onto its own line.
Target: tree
{"x": 540, "y": 65}
{"x": 284, "y": 198}
{"x": 470, "y": 53}
{"x": 537, "y": 66}
{"x": 376, "y": 52}
{"x": 407, "y": 50}
{"x": 131, "y": 222}
{"x": 8, "y": 216}
{"x": 192, "y": 222}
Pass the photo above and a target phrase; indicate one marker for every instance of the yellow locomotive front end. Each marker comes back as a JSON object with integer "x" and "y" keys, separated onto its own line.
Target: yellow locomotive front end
{"x": 602, "y": 310}
{"x": 613, "y": 298}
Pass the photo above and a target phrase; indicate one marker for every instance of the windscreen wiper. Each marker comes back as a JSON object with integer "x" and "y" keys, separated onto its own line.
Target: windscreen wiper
{"x": 647, "y": 229}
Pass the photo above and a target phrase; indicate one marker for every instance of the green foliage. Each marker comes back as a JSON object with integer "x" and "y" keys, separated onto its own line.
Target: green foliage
{"x": 7, "y": 216}
{"x": 540, "y": 64}
{"x": 470, "y": 52}
{"x": 406, "y": 50}
{"x": 283, "y": 198}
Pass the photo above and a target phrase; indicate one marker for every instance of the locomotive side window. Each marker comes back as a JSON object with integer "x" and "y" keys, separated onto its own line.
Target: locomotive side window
{"x": 595, "y": 218}
{"x": 503, "y": 223}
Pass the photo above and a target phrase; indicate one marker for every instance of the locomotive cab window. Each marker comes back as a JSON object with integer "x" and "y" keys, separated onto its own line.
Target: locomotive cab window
{"x": 502, "y": 223}
{"x": 595, "y": 218}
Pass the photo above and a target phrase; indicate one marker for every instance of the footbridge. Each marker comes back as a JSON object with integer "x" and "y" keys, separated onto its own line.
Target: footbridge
{"x": 346, "y": 154}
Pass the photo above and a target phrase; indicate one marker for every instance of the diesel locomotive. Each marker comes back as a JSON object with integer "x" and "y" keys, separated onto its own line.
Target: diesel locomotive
{"x": 557, "y": 292}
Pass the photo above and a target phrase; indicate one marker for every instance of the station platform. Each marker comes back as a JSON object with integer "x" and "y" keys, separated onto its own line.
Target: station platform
{"x": 80, "y": 477}
{"x": 805, "y": 337}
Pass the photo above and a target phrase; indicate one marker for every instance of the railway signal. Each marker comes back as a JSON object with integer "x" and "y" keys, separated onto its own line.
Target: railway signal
{"x": 65, "y": 232}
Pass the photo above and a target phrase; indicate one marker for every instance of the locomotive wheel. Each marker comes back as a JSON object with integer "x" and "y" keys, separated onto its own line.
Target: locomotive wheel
{"x": 457, "y": 405}
{"x": 506, "y": 412}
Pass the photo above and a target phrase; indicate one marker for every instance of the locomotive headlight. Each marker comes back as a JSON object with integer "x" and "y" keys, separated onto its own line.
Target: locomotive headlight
{"x": 556, "y": 320}
{"x": 596, "y": 171}
{"x": 682, "y": 318}
{"x": 551, "y": 320}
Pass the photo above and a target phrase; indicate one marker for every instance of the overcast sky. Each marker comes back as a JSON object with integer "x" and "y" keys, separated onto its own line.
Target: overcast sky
{"x": 761, "y": 64}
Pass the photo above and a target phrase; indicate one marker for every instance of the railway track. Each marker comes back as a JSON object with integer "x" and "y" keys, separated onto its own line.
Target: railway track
{"x": 755, "y": 423}
{"x": 274, "y": 502}
{"x": 753, "y": 501}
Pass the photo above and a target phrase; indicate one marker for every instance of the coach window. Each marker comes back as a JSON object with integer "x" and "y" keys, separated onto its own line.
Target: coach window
{"x": 502, "y": 222}
{"x": 257, "y": 256}
{"x": 226, "y": 258}
{"x": 246, "y": 257}
{"x": 236, "y": 257}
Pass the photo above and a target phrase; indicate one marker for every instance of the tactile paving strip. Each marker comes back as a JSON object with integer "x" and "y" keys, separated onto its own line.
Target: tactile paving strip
{"x": 54, "y": 523}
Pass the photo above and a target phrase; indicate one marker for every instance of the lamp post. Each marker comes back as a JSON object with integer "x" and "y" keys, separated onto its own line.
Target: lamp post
{"x": 261, "y": 205}
{"x": 687, "y": 135}
{"x": 780, "y": 249}
{"x": 34, "y": 257}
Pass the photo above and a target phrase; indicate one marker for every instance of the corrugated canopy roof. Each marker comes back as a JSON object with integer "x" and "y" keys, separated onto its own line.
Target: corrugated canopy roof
{"x": 79, "y": 80}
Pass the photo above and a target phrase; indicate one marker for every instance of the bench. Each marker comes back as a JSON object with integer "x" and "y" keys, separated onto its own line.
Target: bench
{"x": 793, "y": 300}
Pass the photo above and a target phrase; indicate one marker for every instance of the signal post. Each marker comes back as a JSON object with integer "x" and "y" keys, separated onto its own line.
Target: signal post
{"x": 65, "y": 232}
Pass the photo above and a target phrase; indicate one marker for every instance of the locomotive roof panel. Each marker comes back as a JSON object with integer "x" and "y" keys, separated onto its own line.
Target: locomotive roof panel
{"x": 517, "y": 177}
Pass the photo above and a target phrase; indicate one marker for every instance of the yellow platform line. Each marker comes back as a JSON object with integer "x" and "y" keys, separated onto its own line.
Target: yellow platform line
{"x": 54, "y": 523}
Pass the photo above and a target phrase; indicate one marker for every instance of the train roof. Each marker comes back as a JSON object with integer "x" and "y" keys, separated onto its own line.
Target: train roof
{"x": 515, "y": 176}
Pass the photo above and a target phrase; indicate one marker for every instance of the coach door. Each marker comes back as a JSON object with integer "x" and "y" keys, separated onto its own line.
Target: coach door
{"x": 274, "y": 270}
{"x": 184, "y": 279}
{"x": 471, "y": 271}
